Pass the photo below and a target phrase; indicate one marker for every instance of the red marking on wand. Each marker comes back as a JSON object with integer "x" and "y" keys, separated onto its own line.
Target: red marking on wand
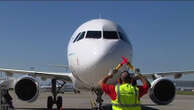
{"x": 125, "y": 60}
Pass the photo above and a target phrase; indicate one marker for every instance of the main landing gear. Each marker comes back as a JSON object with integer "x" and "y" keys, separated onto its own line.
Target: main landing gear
{"x": 54, "y": 99}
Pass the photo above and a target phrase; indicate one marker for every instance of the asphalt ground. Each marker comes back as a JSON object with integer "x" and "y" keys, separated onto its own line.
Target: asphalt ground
{"x": 82, "y": 101}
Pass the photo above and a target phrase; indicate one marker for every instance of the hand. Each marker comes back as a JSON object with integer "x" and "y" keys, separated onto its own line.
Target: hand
{"x": 139, "y": 76}
{"x": 112, "y": 72}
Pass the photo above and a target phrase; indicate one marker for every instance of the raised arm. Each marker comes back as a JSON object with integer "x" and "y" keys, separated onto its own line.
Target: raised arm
{"x": 144, "y": 80}
{"x": 105, "y": 78}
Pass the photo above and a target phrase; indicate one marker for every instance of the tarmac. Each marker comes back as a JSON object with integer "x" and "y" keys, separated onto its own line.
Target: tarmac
{"x": 82, "y": 101}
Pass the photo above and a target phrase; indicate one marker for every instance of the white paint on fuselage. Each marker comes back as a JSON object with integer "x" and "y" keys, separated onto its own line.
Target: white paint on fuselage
{"x": 91, "y": 59}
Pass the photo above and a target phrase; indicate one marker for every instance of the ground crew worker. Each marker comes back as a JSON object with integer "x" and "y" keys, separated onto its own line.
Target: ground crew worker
{"x": 125, "y": 96}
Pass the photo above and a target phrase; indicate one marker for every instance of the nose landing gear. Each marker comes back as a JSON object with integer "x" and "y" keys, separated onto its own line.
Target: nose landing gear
{"x": 99, "y": 99}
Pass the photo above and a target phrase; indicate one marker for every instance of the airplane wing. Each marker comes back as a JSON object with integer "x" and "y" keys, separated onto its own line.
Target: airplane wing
{"x": 175, "y": 74}
{"x": 65, "y": 76}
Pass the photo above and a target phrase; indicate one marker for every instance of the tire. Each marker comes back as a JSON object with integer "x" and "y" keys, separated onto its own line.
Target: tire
{"x": 59, "y": 102}
{"x": 49, "y": 103}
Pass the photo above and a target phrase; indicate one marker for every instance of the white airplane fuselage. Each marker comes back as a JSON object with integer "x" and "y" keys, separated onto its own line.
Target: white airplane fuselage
{"x": 90, "y": 59}
{"x": 94, "y": 48}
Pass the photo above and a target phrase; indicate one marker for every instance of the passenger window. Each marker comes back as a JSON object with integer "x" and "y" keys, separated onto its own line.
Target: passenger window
{"x": 110, "y": 35}
{"x": 94, "y": 34}
{"x": 81, "y": 36}
{"x": 76, "y": 37}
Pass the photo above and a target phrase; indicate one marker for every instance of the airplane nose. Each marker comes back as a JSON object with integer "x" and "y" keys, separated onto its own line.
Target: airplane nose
{"x": 99, "y": 59}
{"x": 109, "y": 54}
{"x": 98, "y": 54}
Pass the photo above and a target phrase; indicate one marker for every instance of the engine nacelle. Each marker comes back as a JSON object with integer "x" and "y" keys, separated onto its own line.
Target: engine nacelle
{"x": 27, "y": 89}
{"x": 162, "y": 91}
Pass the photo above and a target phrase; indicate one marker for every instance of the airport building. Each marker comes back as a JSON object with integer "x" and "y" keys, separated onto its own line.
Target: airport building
{"x": 184, "y": 85}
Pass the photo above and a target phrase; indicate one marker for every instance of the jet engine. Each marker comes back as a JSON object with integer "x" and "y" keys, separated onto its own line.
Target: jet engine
{"x": 162, "y": 91}
{"x": 27, "y": 89}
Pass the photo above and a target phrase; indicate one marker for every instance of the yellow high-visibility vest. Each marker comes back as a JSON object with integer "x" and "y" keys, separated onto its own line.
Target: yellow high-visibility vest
{"x": 127, "y": 98}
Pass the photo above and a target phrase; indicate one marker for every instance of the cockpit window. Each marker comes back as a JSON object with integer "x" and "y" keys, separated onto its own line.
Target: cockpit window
{"x": 76, "y": 37}
{"x": 123, "y": 37}
{"x": 110, "y": 35}
{"x": 81, "y": 36}
{"x": 94, "y": 34}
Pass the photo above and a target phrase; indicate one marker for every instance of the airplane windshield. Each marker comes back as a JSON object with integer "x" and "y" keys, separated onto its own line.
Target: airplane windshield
{"x": 81, "y": 36}
{"x": 94, "y": 34}
{"x": 123, "y": 37}
{"x": 76, "y": 37}
{"x": 110, "y": 35}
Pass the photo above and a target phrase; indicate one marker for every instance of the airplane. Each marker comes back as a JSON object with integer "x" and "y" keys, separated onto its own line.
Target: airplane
{"x": 94, "y": 48}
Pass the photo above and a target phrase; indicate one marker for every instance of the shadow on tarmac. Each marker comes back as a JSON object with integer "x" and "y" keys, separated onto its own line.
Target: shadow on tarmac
{"x": 148, "y": 108}
{"x": 144, "y": 107}
{"x": 106, "y": 107}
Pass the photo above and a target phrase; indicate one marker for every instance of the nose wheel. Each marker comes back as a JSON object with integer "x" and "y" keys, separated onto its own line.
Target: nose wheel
{"x": 54, "y": 99}
{"x": 99, "y": 99}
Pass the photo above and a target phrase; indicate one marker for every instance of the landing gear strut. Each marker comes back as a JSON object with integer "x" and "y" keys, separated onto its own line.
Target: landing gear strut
{"x": 54, "y": 99}
{"x": 99, "y": 99}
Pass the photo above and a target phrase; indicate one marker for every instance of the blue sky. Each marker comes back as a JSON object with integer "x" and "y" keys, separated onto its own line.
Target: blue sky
{"x": 37, "y": 33}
